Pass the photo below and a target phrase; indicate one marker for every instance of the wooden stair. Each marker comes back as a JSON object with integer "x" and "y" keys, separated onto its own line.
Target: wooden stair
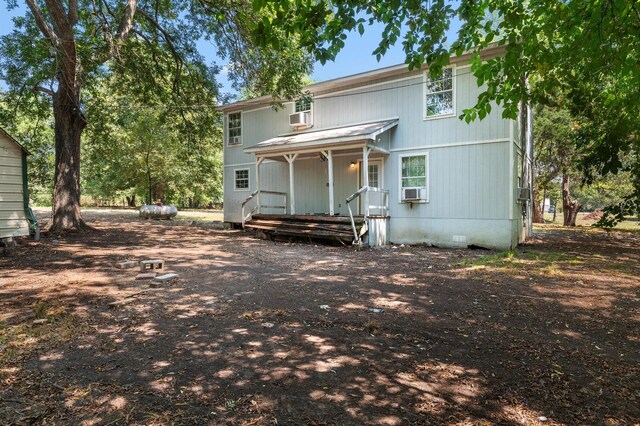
{"x": 311, "y": 227}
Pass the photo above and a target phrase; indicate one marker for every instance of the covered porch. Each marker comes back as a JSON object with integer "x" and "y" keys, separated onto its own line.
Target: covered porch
{"x": 326, "y": 174}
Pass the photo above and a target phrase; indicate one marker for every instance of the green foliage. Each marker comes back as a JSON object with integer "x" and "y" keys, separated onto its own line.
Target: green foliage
{"x": 517, "y": 259}
{"x": 161, "y": 142}
{"x": 149, "y": 154}
{"x": 555, "y": 133}
{"x": 31, "y": 124}
{"x": 147, "y": 94}
{"x": 604, "y": 191}
{"x": 561, "y": 146}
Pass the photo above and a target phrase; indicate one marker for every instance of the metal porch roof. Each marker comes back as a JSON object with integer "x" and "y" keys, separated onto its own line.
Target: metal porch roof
{"x": 323, "y": 138}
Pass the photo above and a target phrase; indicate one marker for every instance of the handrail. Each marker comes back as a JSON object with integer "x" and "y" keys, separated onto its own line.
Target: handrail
{"x": 246, "y": 217}
{"x": 384, "y": 208}
{"x": 250, "y": 197}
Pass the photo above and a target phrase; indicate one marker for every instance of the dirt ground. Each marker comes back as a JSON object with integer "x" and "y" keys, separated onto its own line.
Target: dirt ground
{"x": 547, "y": 334}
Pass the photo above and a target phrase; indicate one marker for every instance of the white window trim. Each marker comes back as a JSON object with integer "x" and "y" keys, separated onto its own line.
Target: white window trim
{"x": 293, "y": 105}
{"x": 425, "y": 76}
{"x": 428, "y": 180}
{"x": 235, "y": 186}
{"x": 226, "y": 129}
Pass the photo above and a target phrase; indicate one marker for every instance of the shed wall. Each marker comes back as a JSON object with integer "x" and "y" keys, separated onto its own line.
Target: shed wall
{"x": 13, "y": 221}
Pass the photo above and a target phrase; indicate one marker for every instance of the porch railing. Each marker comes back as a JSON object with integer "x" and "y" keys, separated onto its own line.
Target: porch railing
{"x": 382, "y": 207}
{"x": 256, "y": 208}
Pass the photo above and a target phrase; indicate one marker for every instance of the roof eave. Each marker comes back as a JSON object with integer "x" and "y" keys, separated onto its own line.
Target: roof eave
{"x": 14, "y": 140}
{"x": 340, "y": 82}
{"x": 304, "y": 145}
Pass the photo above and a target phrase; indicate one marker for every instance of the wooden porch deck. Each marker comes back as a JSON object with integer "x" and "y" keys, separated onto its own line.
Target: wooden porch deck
{"x": 312, "y": 227}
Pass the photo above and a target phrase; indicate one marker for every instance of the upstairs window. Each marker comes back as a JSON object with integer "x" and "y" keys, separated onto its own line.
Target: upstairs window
{"x": 234, "y": 129}
{"x": 302, "y": 117}
{"x": 303, "y": 105}
{"x": 439, "y": 94}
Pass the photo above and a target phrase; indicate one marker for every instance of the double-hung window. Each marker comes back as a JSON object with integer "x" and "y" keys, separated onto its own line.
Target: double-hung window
{"x": 234, "y": 128}
{"x": 439, "y": 94}
{"x": 303, "y": 105}
{"x": 414, "y": 176}
{"x": 241, "y": 179}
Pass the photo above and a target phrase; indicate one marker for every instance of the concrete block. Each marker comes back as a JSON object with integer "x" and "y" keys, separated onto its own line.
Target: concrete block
{"x": 127, "y": 264}
{"x": 146, "y": 276}
{"x": 167, "y": 277}
{"x": 149, "y": 265}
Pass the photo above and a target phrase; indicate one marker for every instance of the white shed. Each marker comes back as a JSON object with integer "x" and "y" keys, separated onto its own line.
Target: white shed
{"x": 15, "y": 216}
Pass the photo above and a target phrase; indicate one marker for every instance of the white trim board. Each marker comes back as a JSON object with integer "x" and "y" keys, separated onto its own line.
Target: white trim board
{"x": 253, "y": 163}
{"x": 448, "y": 145}
{"x": 513, "y": 171}
{"x": 426, "y": 218}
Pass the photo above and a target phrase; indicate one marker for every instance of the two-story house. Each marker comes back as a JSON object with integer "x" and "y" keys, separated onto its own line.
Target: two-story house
{"x": 391, "y": 141}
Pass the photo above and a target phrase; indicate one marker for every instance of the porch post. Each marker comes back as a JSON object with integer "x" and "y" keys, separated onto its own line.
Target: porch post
{"x": 329, "y": 156}
{"x": 365, "y": 178}
{"x": 290, "y": 159}
{"x": 259, "y": 161}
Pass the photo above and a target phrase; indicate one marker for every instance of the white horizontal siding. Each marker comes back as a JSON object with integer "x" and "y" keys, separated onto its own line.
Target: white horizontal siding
{"x": 11, "y": 179}
{"x": 9, "y": 159}
{"x": 13, "y": 221}
{"x": 12, "y": 205}
{"x": 8, "y": 197}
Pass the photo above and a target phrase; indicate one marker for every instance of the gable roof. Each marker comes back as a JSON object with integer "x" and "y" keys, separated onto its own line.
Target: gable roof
{"x": 341, "y": 82}
{"x": 12, "y": 139}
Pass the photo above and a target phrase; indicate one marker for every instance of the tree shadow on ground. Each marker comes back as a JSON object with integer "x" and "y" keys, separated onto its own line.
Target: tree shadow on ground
{"x": 244, "y": 337}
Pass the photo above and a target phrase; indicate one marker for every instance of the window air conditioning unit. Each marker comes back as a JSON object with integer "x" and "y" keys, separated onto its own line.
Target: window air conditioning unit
{"x": 412, "y": 194}
{"x": 523, "y": 194}
{"x": 235, "y": 140}
{"x": 300, "y": 119}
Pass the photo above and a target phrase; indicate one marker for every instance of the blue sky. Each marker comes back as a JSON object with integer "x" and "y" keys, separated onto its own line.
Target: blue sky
{"x": 354, "y": 58}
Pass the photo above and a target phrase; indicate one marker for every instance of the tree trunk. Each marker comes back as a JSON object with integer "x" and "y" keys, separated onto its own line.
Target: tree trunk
{"x": 69, "y": 125}
{"x": 57, "y": 26}
{"x": 149, "y": 194}
{"x": 570, "y": 207}
{"x": 538, "y": 215}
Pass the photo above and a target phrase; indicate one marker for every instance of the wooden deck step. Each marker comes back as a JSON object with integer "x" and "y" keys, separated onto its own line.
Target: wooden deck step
{"x": 331, "y": 228}
{"x": 309, "y": 218}
{"x": 302, "y": 225}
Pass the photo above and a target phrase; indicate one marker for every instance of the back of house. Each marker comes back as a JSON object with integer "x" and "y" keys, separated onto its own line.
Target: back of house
{"x": 431, "y": 177}
{"x": 13, "y": 218}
